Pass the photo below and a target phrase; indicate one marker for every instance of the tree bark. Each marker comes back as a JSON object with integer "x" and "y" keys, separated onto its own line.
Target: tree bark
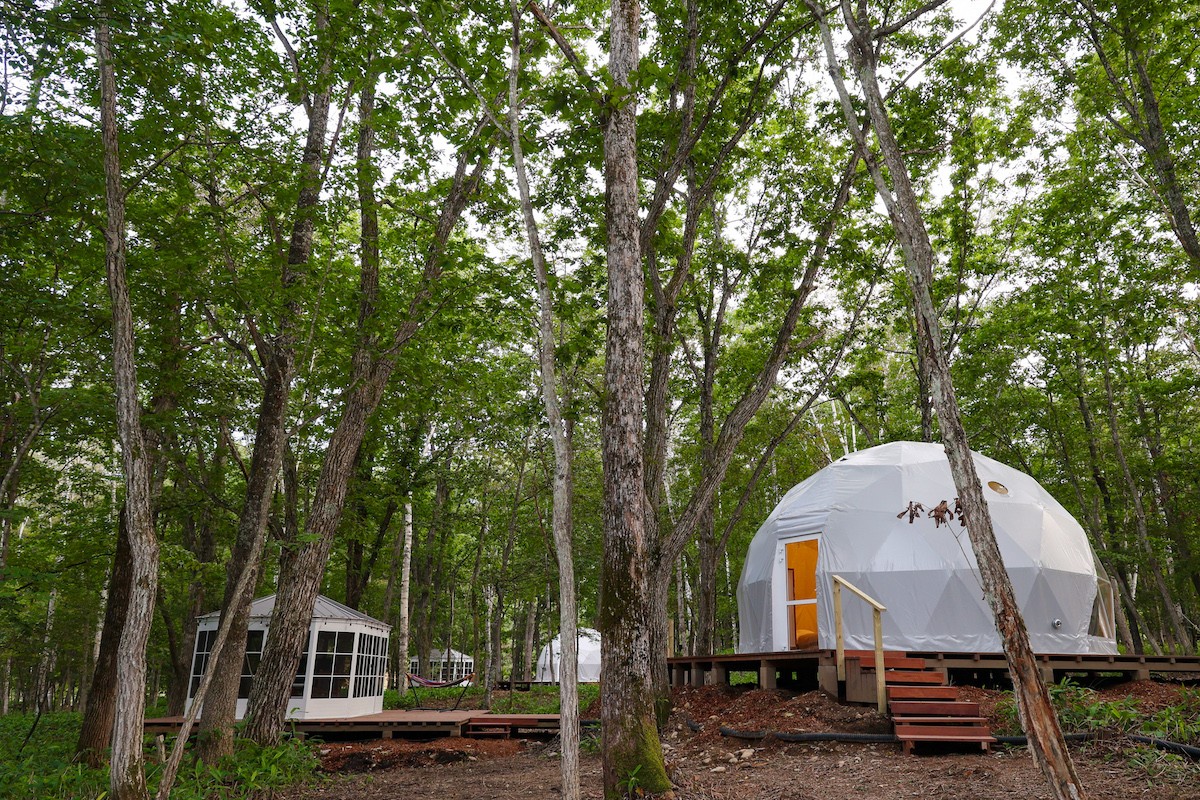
{"x": 270, "y": 441}
{"x": 372, "y": 371}
{"x": 127, "y": 777}
{"x": 400, "y": 616}
{"x": 631, "y": 746}
{"x": 95, "y": 735}
{"x": 561, "y": 522}
{"x": 1037, "y": 714}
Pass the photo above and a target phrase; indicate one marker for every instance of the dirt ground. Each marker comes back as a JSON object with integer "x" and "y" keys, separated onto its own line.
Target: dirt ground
{"x": 709, "y": 766}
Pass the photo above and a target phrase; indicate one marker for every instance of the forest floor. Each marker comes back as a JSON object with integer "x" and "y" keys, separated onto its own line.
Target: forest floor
{"x": 708, "y": 766}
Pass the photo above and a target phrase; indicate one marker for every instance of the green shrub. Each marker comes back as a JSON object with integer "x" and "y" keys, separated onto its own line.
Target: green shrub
{"x": 44, "y": 769}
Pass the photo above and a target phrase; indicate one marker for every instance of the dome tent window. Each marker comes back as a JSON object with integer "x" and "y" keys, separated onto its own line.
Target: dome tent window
{"x": 341, "y": 670}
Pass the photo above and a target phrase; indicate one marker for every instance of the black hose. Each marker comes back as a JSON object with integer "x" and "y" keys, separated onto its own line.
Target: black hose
{"x": 1171, "y": 747}
{"x": 1177, "y": 748}
{"x": 731, "y": 733}
{"x": 875, "y": 738}
{"x": 1070, "y": 737}
{"x": 694, "y": 727}
{"x": 885, "y": 738}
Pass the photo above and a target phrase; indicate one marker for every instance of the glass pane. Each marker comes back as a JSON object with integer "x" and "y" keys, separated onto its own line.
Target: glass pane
{"x": 321, "y": 687}
{"x": 341, "y": 687}
{"x": 341, "y": 665}
{"x": 252, "y": 662}
{"x": 244, "y": 688}
{"x": 298, "y": 687}
{"x": 325, "y": 641}
{"x": 254, "y": 641}
{"x": 323, "y": 664}
{"x": 345, "y": 642}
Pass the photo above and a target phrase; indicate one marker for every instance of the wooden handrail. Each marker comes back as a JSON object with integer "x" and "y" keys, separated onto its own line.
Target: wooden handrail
{"x": 877, "y": 609}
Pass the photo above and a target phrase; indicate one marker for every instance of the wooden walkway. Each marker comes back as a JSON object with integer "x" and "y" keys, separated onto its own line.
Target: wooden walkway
{"x": 812, "y": 668}
{"x": 400, "y": 724}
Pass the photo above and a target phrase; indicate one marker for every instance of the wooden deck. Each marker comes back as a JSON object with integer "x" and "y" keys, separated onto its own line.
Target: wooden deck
{"x": 810, "y": 668}
{"x": 400, "y": 724}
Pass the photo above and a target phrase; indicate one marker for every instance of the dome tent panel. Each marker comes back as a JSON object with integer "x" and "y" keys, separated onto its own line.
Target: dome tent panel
{"x": 924, "y": 572}
{"x": 549, "y": 662}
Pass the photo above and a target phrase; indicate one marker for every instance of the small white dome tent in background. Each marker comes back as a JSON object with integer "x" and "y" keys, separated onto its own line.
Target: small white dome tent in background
{"x": 341, "y": 671}
{"x": 875, "y": 518}
{"x": 549, "y": 663}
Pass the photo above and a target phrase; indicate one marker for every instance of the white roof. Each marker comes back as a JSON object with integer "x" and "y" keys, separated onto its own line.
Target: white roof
{"x": 439, "y": 655}
{"x": 923, "y": 572}
{"x": 324, "y": 608}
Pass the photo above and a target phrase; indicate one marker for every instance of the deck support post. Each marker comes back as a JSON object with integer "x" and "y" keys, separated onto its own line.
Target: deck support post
{"x": 718, "y": 675}
{"x": 767, "y": 675}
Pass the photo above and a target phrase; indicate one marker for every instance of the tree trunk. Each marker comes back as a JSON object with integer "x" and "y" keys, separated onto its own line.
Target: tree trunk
{"x": 127, "y": 778}
{"x": 399, "y": 617}
{"x": 1037, "y": 714}
{"x": 270, "y": 441}
{"x": 568, "y": 687}
{"x": 96, "y": 732}
{"x": 1171, "y": 607}
{"x": 631, "y": 747}
{"x": 294, "y": 605}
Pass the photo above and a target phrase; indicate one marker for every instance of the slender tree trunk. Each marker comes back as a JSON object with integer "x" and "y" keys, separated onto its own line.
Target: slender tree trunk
{"x": 372, "y": 371}
{"x": 401, "y": 614}
{"x": 1037, "y": 714}
{"x": 127, "y": 778}
{"x": 531, "y": 611}
{"x": 568, "y": 687}
{"x": 1136, "y": 623}
{"x": 270, "y": 442}
{"x": 1174, "y": 614}
{"x": 1154, "y": 142}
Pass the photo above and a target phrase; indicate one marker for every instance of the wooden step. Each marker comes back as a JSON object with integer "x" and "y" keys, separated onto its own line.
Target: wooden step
{"x": 908, "y": 676}
{"x": 971, "y": 721}
{"x": 922, "y": 693}
{"x": 478, "y": 729}
{"x": 948, "y": 708}
{"x": 947, "y": 733}
{"x": 911, "y": 734}
{"x": 867, "y": 662}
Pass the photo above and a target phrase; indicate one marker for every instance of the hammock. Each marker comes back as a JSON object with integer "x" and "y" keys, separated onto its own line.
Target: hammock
{"x": 425, "y": 683}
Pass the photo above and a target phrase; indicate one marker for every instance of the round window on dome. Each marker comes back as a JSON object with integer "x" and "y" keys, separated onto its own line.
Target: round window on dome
{"x": 997, "y": 487}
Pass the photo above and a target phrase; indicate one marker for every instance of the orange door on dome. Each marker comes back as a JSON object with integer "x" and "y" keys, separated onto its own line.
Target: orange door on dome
{"x": 802, "y": 593}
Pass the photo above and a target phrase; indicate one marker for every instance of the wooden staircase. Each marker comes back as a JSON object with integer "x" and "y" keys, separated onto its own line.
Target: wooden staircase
{"x": 923, "y": 707}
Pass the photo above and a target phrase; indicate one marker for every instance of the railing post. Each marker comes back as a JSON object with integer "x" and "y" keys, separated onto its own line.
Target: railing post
{"x": 880, "y": 684}
{"x": 837, "y": 625}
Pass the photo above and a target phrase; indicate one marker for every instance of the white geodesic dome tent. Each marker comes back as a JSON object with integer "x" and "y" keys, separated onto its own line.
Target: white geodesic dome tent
{"x": 843, "y": 521}
{"x": 549, "y": 663}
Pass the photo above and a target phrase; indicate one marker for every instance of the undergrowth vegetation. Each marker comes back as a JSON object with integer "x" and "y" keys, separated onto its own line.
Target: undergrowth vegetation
{"x": 42, "y": 768}
{"x": 1081, "y": 710}
{"x": 538, "y": 699}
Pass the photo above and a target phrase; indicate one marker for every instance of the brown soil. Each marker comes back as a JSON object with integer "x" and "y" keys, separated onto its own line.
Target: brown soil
{"x": 708, "y": 766}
